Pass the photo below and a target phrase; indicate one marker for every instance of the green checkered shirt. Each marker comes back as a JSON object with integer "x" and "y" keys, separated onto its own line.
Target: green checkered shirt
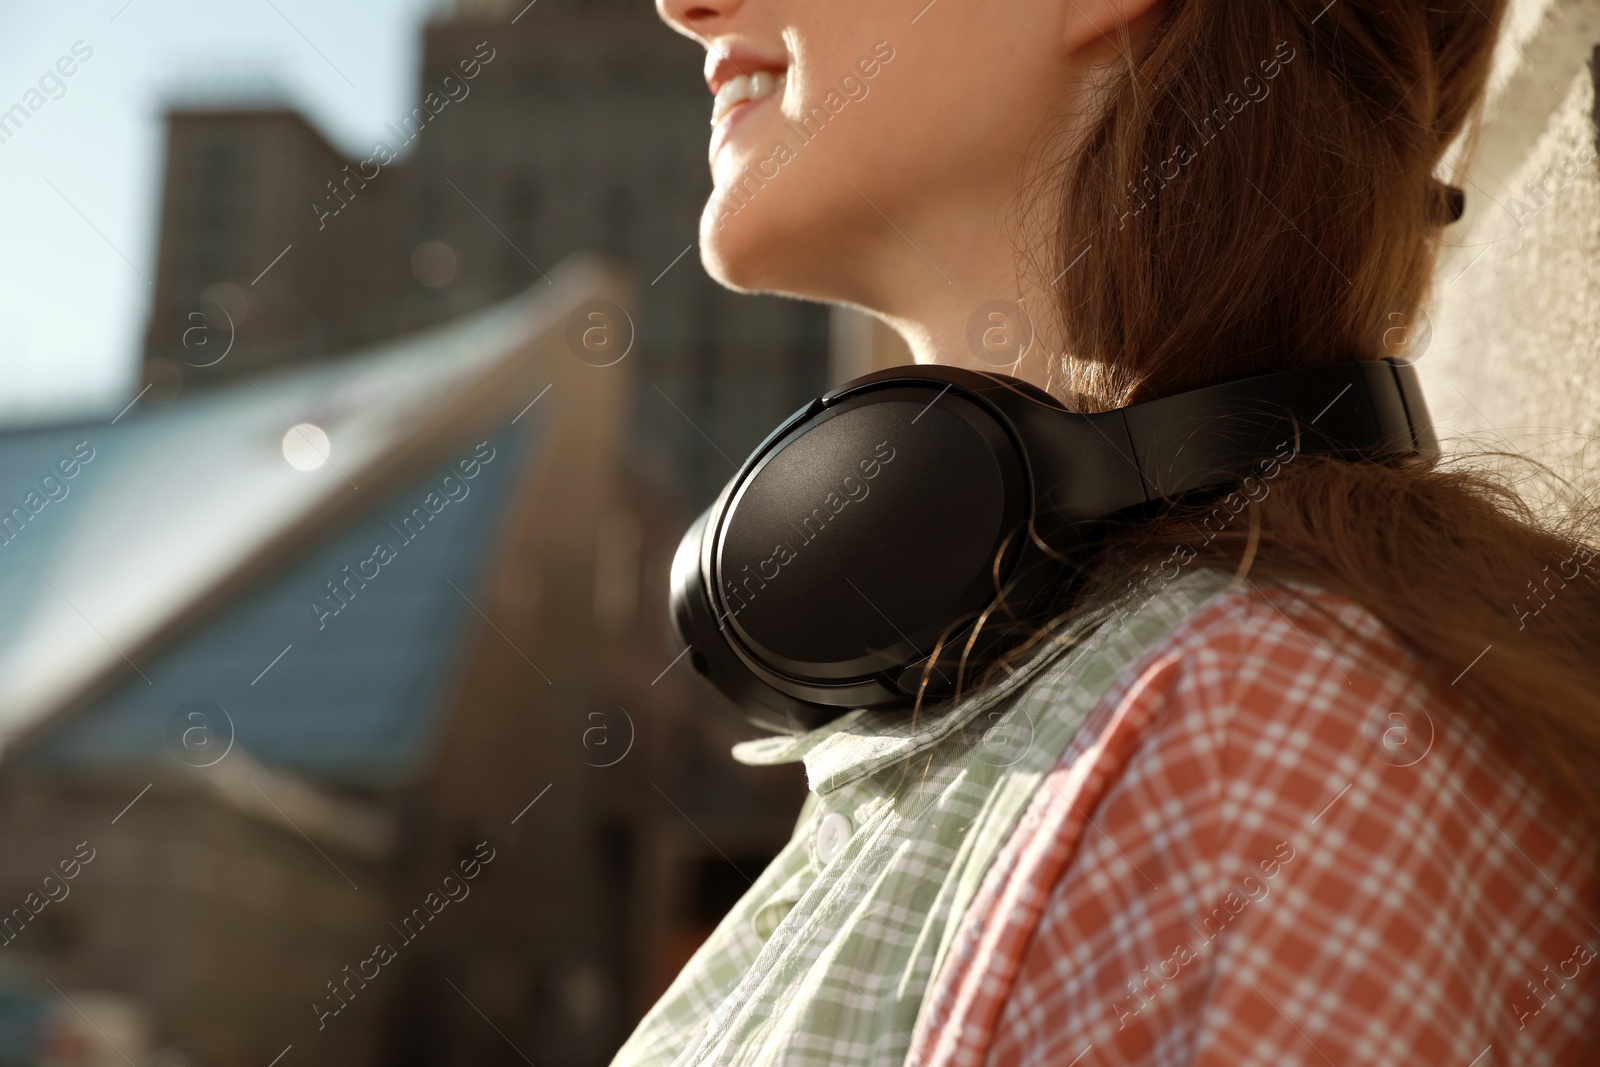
{"x": 826, "y": 959}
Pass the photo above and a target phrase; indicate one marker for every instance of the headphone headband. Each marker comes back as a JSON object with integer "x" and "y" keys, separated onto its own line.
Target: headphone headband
{"x": 892, "y": 513}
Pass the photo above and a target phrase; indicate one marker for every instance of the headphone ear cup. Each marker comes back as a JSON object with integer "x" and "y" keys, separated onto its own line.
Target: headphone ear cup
{"x": 836, "y": 561}
{"x": 705, "y": 644}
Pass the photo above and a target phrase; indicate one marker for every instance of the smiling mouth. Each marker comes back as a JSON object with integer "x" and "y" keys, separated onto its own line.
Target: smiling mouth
{"x": 744, "y": 89}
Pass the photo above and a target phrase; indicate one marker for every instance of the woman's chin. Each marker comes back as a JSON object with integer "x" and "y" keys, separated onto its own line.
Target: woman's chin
{"x": 733, "y": 249}
{"x": 750, "y": 252}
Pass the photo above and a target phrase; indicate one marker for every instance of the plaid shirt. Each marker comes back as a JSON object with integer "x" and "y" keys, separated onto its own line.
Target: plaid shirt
{"x": 827, "y": 958}
{"x": 1302, "y": 852}
{"x": 1241, "y": 837}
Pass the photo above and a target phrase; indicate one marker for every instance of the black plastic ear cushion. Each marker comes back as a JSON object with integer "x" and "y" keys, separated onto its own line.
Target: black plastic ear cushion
{"x": 819, "y": 530}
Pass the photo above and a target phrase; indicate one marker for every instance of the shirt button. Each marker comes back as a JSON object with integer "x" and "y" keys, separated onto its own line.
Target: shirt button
{"x": 832, "y": 834}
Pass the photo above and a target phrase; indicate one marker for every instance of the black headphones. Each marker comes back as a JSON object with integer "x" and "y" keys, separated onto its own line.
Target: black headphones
{"x": 890, "y": 515}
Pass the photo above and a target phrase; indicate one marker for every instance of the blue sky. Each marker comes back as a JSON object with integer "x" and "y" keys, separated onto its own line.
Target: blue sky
{"x": 79, "y": 183}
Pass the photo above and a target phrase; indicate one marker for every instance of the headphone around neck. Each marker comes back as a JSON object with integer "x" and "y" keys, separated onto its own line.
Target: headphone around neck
{"x": 885, "y": 519}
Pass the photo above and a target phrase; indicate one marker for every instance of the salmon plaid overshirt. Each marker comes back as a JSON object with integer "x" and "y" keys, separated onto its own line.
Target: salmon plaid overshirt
{"x": 1279, "y": 841}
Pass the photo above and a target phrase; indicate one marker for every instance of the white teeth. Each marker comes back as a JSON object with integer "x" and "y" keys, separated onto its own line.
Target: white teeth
{"x": 741, "y": 87}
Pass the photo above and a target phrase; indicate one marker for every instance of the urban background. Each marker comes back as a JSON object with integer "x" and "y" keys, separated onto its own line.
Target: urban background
{"x": 341, "y": 723}
{"x": 339, "y": 719}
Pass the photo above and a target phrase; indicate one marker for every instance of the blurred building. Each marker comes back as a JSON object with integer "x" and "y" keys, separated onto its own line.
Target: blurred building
{"x": 292, "y": 654}
{"x": 236, "y": 194}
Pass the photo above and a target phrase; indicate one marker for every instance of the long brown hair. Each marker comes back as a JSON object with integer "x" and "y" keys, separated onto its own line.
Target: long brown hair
{"x": 1258, "y": 193}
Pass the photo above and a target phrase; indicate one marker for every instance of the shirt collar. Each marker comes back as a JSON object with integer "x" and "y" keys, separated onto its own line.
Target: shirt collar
{"x": 865, "y": 741}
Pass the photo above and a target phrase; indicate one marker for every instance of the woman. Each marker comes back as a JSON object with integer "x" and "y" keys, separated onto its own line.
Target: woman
{"x": 1313, "y": 783}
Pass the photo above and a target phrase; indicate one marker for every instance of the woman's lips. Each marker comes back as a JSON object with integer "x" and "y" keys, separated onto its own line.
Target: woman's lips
{"x": 741, "y": 87}
{"x": 726, "y": 60}
{"x": 741, "y": 78}
{"x": 737, "y": 99}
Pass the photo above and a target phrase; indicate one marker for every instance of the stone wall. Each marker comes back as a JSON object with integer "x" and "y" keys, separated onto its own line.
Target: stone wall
{"x": 1515, "y": 325}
